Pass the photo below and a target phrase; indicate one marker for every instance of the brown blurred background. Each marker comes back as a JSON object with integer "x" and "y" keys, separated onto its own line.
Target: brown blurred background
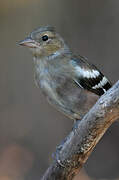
{"x": 30, "y": 128}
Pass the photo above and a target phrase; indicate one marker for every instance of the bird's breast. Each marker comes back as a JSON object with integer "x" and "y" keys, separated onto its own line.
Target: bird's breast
{"x": 47, "y": 82}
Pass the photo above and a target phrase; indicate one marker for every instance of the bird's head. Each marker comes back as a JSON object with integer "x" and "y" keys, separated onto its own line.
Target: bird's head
{"x": 43, "y": 41}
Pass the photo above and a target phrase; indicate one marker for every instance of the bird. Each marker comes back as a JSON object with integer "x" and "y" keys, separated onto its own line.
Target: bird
{"x": 69, "y": 81}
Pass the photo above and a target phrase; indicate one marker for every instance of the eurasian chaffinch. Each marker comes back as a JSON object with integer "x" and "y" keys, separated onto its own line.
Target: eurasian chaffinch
{"x": 69, "y": 81}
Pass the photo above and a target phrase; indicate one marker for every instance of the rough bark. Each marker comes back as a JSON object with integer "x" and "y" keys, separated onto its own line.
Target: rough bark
{"x": 78, "y": 145}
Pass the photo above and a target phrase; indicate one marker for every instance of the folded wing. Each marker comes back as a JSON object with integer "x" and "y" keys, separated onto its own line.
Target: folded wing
{"x": 87, "y": 76}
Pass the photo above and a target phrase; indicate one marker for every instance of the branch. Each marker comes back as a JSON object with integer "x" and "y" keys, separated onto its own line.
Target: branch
{"x": 78, "y": 145}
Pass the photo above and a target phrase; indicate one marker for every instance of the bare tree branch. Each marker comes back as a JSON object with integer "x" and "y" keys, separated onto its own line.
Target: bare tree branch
{"x": 76, "y": 148}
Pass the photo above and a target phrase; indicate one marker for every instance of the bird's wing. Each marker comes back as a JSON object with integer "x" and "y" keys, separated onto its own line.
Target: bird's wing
{"x": 87, "y": 76}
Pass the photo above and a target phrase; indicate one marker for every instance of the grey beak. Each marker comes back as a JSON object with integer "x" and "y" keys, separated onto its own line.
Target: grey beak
{"x": 28, "y": 42}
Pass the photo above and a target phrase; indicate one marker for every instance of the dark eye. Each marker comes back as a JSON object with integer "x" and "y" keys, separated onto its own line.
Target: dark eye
{"x": 45, "y": 38}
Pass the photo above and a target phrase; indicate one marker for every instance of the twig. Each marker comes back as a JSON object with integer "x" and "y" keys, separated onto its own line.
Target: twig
{"x": 76, "y": 148}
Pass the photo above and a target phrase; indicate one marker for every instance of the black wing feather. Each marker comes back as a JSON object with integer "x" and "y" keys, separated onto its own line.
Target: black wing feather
{"x": 90, "y": 83}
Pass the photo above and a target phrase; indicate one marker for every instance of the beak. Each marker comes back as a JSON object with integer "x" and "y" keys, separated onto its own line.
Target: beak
{"x": 28, "y": 42}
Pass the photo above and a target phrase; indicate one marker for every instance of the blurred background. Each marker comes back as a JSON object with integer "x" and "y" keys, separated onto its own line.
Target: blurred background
{"x": 30, "y": 128}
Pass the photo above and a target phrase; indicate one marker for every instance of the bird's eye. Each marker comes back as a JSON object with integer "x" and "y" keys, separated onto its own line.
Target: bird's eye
{"x": 45, "y": 38}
